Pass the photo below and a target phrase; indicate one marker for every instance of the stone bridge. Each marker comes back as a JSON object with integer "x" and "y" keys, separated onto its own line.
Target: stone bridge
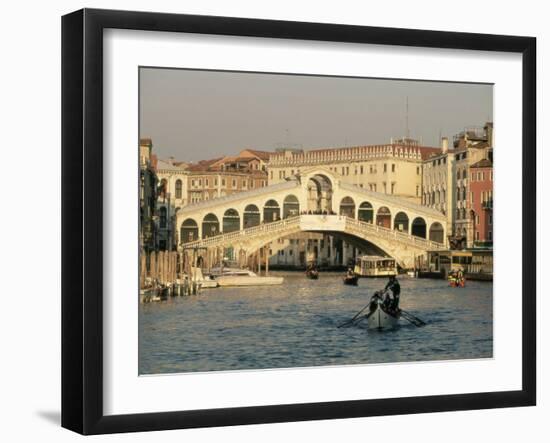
{"x": 399, "y": 245}
{"x": 398, "y": 226}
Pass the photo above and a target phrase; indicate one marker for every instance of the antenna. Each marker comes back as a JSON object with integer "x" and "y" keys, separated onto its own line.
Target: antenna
{"x": 407, "y": 116}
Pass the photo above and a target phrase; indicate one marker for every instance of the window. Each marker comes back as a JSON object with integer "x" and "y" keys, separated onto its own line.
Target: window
{"x": 223, "y": 182}
{"x": 163, "y": 217}
{"x": 385, "y": 167}
{"x": 393, "y": 167}
{"x": 393, "y": 188}
{"x": 271, "y": 175}
{"x": 418, "y": 170}
{"x": 215, "y": 182}
{"x": 206, "y": 183}
{"x": 477, "y": 235}
{"x": 178, "y": 188}
{"x": 417, "y": 190}
{"x": 233, "y": 183}
{"x": 490, "y": 219}
{"x": 244, "y": 184}
{"x": 361, "y": 169}
{"x": 490, "y": 235}
{"x": 200, "y": 182}
{"x": 347, "y": 170}
{"x": 192, "y": 183}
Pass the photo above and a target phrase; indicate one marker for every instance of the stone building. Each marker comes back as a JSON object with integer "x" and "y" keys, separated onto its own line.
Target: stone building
{"x": 481, "y": 202}
{"x": 394, "y": 168}
{"x": 471, "y": 146}
{"x": 438, "y": 182}
{"x": 171, "y": 196}
{"x": 147, "y": 196}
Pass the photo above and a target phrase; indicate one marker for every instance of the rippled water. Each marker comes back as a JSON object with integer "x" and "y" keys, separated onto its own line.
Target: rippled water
{"x": 295, "y": 325}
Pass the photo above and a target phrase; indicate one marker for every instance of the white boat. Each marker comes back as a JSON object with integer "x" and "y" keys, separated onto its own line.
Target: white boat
{"x": 245, "y": 277}
{"x": 380, "y": 318}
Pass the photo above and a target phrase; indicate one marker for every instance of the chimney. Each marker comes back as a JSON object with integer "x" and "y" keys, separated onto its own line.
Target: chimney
{"x": 444, "y": 145}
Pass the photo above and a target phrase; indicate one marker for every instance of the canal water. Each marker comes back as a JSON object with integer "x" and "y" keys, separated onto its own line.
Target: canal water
{"x": 295, "y": 325}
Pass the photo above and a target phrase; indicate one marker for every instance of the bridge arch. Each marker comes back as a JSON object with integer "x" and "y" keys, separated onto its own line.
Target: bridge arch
{"x": 319, "y": 193}
{"x": 365, "y": 212}
{"x": 272, "y": 211}
{"x": 251, "y": 216}
{"x": 291, "y": 206}
{"x": 436, "y": 232}
{"x": 189, "y": 231}
{"x": 401, "y": 222}
{"x": 231, "y": 221}
{"x": 210, "y": 225}
{"x": 347, "y": 207}
{"x": 418, "y": 227}
{"x": 383, "y": 217}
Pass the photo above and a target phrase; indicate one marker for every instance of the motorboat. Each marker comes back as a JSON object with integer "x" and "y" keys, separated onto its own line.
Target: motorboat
{"x": 245, "y": 277}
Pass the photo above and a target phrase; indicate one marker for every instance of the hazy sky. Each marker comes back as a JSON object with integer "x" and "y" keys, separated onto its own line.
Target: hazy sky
{"x": 194, "y": 115}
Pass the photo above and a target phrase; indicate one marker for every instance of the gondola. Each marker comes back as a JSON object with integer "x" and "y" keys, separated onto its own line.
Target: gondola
{"x": 351, "y": 280}
{"x": 380, "y": 316}
{"x": 312, "y": 274}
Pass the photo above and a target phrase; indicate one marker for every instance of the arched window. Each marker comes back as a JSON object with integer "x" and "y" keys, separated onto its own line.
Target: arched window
{"x": 178, "y": 188}
{"x": 366, "y": 212}
{"x": 419, "y": 227}
{"x": 347, "y": 207}
{"x": 189, "y": 231}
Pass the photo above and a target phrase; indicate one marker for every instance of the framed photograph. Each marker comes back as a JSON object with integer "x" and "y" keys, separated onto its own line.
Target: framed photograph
{"x": 269, "y": 221}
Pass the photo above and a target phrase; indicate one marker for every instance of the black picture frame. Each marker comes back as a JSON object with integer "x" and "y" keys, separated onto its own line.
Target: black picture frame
{"x": 82, "y": 219}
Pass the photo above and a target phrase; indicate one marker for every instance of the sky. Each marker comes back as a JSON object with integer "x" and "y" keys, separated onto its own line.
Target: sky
{"x": 193, "y": 114}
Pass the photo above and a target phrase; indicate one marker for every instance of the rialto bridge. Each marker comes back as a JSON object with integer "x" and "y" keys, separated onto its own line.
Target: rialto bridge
{"x": 315, "y": 201}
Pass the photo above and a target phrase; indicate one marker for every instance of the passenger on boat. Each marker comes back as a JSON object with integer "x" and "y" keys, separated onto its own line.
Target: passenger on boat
{"x": 392, "y": 302}
{"x": 350, "y": 273}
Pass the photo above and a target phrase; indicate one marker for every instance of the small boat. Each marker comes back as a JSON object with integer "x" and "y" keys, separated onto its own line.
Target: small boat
{"x": 312, "y": 274}
{"x": 457, "y": 283}
{"x": 245, "y": 277}
{"x": 380, "y": 317}
{"x": 351, "y": 280}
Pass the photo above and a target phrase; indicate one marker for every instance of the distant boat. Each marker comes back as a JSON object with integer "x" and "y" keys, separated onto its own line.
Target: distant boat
{"x": 245, "y": 277}
{"x": 312, "y": 274}
{"x": 352, "y": 280}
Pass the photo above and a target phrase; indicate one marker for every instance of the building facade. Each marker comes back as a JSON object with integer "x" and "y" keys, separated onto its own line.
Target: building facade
{"x": 471, "y": 146}
{"x": 147, "y": 196}
{"x": 438, "y": 182}
{"x": 481, "y": 202}
{"x": 395, "y": 168}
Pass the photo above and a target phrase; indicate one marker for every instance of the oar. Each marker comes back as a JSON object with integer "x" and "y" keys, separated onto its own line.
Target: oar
{"x": 348, "y": 322}
{"x": 412, "y": 319}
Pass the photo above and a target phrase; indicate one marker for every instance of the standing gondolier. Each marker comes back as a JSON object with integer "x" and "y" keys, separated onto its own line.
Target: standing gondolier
{"x": 395, "y": 288}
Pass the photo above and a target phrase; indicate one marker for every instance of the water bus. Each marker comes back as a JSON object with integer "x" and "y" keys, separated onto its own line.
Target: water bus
{"x": 375, "y": 266}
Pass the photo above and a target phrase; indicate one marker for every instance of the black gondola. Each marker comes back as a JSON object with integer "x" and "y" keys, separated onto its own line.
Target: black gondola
{"x": 312, "y": 274}
{"x": 351, "y": 280}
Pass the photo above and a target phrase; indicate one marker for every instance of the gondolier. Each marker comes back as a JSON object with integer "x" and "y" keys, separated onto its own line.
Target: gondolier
{"x": 395, "y": 288}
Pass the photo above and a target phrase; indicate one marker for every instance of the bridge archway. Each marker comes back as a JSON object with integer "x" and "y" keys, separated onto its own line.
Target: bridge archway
{"x": 418, "y": 228}
{"x": 189, "y": 231}
{"x": 251, "y": 216}
{"x": 231, "y": 221}
{"x": 210, "y": 226}
{"x": 436, "y": 232}
{"x": 401, "y": 222}
{"x": 383, "y": 217}
{"x": 319, "y": 194}
{"x": 347, "y": 207}
{"x": 291, "y": 206}
{"x": 365, "y": 212}
{"x": 272, "y": 211}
